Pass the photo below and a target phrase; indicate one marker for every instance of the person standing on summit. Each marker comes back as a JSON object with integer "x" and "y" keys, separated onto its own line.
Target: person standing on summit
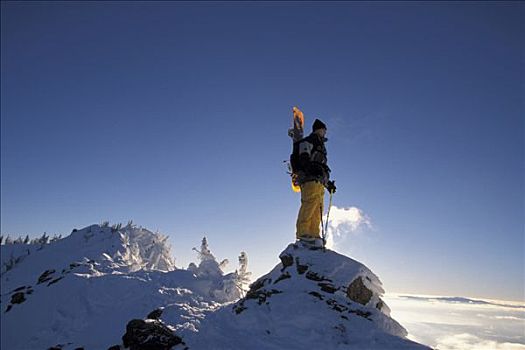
{"x": 313, "y": 177}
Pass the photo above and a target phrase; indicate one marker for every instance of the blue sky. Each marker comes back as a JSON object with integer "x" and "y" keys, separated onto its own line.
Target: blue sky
{"x": 175, "y": 115}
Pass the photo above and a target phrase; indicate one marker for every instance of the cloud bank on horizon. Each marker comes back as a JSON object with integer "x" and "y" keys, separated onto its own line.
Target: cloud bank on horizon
{"x": 458, "y": 323}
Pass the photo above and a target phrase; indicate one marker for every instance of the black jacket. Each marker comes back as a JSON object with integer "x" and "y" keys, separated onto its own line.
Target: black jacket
{"x": 313, "y": 159}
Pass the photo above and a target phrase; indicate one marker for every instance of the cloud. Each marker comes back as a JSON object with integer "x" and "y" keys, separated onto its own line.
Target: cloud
{"x": 465, "y": 341}
{"x": 509, "y": 318}
{"x": 463, "y": 300}
{"x": 454, "y": 323}
{"x": 344, "y": 221}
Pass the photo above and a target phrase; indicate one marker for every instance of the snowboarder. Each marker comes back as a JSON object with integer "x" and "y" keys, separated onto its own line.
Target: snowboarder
{"x": 313, "y": 177}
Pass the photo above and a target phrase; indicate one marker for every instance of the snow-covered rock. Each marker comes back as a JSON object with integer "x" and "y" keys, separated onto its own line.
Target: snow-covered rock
{"x": 314, "y": 299}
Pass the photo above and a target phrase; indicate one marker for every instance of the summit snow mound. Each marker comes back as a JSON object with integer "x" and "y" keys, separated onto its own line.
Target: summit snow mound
{"x": 312, "y": 299}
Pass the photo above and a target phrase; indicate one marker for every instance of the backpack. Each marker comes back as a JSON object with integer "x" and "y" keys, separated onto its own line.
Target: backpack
{"x": 295, "y": 157}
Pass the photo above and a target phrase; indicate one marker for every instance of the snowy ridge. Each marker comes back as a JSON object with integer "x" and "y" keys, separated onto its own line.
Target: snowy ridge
{"x": 82, "y": 290}
{"x": 128, "y": 249}
{"x": 109, "y": 288}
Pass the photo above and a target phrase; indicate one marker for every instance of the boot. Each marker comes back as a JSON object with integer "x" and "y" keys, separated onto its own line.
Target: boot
{"x": 310, "y": 242}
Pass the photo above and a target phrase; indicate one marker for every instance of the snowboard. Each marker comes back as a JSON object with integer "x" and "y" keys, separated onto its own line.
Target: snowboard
{"x": 296, "y": 133}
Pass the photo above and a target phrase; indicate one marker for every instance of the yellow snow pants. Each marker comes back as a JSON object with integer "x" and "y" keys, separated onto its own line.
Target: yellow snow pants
{"x": 309, "y": 218}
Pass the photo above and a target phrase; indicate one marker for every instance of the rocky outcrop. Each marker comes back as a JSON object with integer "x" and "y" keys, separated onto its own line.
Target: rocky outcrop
{"x": 18, "y": 296}
{"x": 155, "y": 314}
{"x": 321, "y": 290}
{"x": 299, "y": 263}
{"x": 48, "y": 278}
{"x": 321, "y": 287}
{"x": 358, "y": 292}
{"x": 45, "y": 276}
{"x": 149, "y": 335}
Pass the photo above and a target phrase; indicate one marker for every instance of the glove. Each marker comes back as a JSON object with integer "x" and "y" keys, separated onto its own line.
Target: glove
{"x": 330, "y": 186}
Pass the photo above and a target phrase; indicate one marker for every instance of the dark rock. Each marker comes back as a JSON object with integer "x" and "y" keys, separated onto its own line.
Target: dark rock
{"x": 365, "y": 314}
{"x": 287, "y": 260}
{"x": 315, "y": 277}
{"x": 257, "y": 285}
{"x": 45, "y": 276}
{"x": 257, "y": 292}
{"x": 252, "y": 294}
{"x": 300, "y": 268}
{"x": 155, "y": 314}
{"x": 61, "y": 346}
{"x": 317, "y": 295}
{"x": 327, "y": 287}
{"x": 380, "y": 304}
{"x": 114, "y": 347}
{"x": 336, "y": 306}
{"x": 55, "y": 281}
{"x": 239, "y": 308}
{"x": 154, "y": 335}
{"x": 18, "y": 298}
{"x": 19, "y": 289}
{"x": 282, "y": 277}
{"x": 79, "y": 348}
{"x": 266, "y": 294}
{"x": 358, "y": 292}
{"x": 262, "y": 295}
{"x": 8, "y": 308}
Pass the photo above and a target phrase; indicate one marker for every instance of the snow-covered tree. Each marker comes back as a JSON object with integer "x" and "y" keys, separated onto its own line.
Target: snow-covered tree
{"x": 144, "y": 249}
{"x": 208, "y": 264}
{"x": 116, "y": 227}
{"x": 243, "y": 264}
{"x": 193, "y": 268}
{"x": 204, "y": 252}
{"x": 55, "y": 238}
{"x": 242, "y": 275}
{"x": 224, "y": 286}
{"x": 43, "y": 239}
{"x": 204, "y": 255}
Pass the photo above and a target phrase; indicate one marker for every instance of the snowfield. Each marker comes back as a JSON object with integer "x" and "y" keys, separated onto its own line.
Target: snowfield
{"x": 109, "y": 288}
